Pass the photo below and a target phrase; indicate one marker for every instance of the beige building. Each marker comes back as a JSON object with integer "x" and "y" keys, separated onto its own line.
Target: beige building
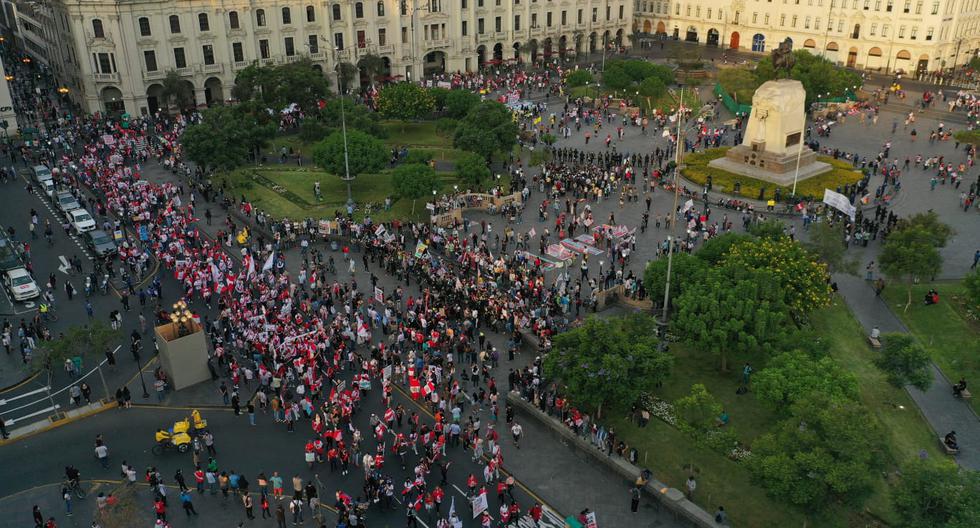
{"x": 113, "y": 54}
{"x": 914, "y": 36}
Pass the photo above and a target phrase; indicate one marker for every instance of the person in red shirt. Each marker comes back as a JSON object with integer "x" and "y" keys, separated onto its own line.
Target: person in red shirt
{"x": 199, "y": 478}
{"x": 160, "y": 508}
{"x": 437, "y": 496}
{"x": 536, "y": 513}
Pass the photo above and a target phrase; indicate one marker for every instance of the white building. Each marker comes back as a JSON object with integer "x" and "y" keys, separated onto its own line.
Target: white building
{"x": 8, "y": 117}
{"x": 914, "y": 36}
{"x": 113, "y": 54}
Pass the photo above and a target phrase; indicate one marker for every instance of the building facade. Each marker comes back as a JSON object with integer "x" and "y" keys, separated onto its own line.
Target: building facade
{"x": 912, "y": 36}
{"x": 112, "y": 55}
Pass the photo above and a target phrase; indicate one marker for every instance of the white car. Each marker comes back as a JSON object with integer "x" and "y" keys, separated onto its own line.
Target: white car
{"x": 20, "y": 284}
{"x": 81, "y": 220}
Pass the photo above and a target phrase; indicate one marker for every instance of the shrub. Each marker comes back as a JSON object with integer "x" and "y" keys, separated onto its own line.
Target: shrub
{"x": 419, "y": 156}
{"x": 578, "y": 78}
{"x": 311, "y": 130}
{"x": 446, "y": 126}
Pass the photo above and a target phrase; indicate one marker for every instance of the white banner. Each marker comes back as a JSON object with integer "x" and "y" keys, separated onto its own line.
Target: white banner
{"x": 480, "y": 504}
{"x": 379, "y": 294}
{"x": 840, "y": 202}
{"x": 687, "y": 206}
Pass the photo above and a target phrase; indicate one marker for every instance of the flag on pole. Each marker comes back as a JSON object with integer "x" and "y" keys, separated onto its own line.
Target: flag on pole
{"x": 268, "y": 262}
{"x": 251, "y": 267}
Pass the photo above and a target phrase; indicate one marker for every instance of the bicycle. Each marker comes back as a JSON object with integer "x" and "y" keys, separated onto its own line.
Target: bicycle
{"x": 73, "y": 486}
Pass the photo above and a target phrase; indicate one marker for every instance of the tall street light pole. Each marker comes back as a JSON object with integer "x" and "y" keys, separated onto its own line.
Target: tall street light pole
{"x": 673, "y": 219}
{"x": 343, "y": 128}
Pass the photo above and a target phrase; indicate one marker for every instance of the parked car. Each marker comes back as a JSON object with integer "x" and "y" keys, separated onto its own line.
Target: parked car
{"x": 100, "y": 243}
{"x": 47, "y": 187}
{"x": 66, "y": 202}
{"x": 41, "y": 173}
{"x": 20, "y": 284}
{"x": 10, "y": 254}
{"x": 81, "y": 220}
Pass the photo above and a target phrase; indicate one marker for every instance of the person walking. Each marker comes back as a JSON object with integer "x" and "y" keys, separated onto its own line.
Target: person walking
{"x": 296, "y": 508}
{"x": 102, "y": 453}
{"x": 634, "y": 499}
{"x": 187, "y": 502}
{"x": 280, "y": 516}
{"x": 690, "y": 486}
{"x": 66, "y": 495}
{"x": 247, "y": 502}
{"x": 264, "y": 504}
{"x": 38, "y": 517}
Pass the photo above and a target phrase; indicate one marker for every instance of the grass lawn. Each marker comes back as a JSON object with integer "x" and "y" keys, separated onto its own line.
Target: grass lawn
{"x": 697, "y": 170}
{"x": 951, "y": 338}
{"x": 420, "y": 134}
{"x": 296, "y": 199}
{"x": 671, "y": 455}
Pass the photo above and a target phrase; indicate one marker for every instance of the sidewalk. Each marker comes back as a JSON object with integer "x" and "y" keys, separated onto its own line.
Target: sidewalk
{"x": 938, "y": 405}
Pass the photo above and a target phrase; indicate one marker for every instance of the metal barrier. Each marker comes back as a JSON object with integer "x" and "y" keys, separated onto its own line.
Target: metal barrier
{"x": 48, "y": 405}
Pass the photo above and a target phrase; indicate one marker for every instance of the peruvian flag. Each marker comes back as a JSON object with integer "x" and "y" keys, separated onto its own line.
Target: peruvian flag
{"x": 428, "y": 388}
{"x": 389, "y": 415}
{"x": 414, "y": 387}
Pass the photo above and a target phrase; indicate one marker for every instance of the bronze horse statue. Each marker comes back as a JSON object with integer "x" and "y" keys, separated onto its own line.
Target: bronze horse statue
{"x": 783, "y": 58}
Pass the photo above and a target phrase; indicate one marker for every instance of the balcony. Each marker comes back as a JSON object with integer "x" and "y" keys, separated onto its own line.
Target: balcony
{"x": 293, "y": 58}
{"x": 318, "y": 56}
{"x": 185, "y": 72}
{"x": 386, "y": 49}
{"x": 267, "y": 62}
{"x": 154, "y": 75}
{"x": 106, "y": 77}
{"x": 212, "y": 68}
{"x": 238, "y": 65}
{"x": 440, "y": 43}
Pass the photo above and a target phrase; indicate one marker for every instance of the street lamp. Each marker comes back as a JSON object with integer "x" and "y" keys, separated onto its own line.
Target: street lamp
{"x": 180, "y": 319}
{"x": 343, "y": 127}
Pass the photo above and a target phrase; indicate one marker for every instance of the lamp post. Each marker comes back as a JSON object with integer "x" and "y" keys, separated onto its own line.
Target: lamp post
{"x": 139, "y": 370}
{"x": 343, "y": 128}
{"x": 673, "y": 218}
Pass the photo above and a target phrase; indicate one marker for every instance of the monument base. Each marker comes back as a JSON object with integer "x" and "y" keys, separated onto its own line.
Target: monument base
{"x": 771, "y": 167}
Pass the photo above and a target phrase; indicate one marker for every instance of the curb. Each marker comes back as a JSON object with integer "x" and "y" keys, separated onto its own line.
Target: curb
{"x": 54, "y": 424}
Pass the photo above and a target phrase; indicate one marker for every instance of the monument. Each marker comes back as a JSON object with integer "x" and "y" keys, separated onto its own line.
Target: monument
{"x": 183, "y": 348}
{"x": 773, "y": 147}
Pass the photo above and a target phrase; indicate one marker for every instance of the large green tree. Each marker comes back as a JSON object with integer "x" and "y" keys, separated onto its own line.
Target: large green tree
{"x": 176, "y": 91}
{"x": 828, "y": 449}
{"x": 87, "y": 340}
{"x": 608, "y": 363}
{"x": 685, "y": 270}
{"x": 818, "y": 75}
{"x": 406, "y": 101}
{"x": 795, "y": 375}
{"x": 414, "y": 181}
{"x": 459, "y": 103}
{"x": 932, "y": 493}
{"x": 908, "y": 254}
{"x": 277, "y": 87}
{"x": 225, "y": 137}
{"x": 904, "y": 361}
{"x": 487, "y": 129}
{"x": 355, "y": 115}
{"x": 372, "y": 65}
{"x": 472, "y": 169}
{"x": 365, "y": 153}
{"x": 827, "y": 242}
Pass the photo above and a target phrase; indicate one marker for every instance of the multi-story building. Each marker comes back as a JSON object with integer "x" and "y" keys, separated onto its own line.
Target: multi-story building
{"x": 113, "y": 54}
{"x": 8, "y": 117}
{"x": 914, "y": 36}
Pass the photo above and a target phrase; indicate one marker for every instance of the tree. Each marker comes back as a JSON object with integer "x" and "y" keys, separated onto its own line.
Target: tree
{"x": 652, "y": 87}
{"x": 908, "y": 254}
{"x": 733, "y": 310}
{"x": 472, "y": 169}
{"x": 937, "y": 493}
{"x": 225, "y": 137}
{"x": 277, "y": 87}
{"x": 972, "y": 284}
{"x": 355, "y": 115}
{"x": 904, "y": 361}
{"x": 366, "y": 153}
{"x": 817, "y": 74}
{"x": 716, "y": 248}
{"x": 346, "y": 74}
{"x": 828, "y": 449}
{"x": 94, "y": 338}
{"x": 175, "y": 91}
{"x": 794, "y": 376}
{"x": 459, "y": 103}
{"x": 969, "y": 137}
{"x": 974, "y": 63}
{"x": 771, "y": 229}
{"x": 608, "y": 362}
{"x": 929, "y": 222}
{"x": 578, "y": 78}
{"x": 414, "y": 181}
{"x": 487, "y": 129}
{"x": 372, "y": 65}
{"x": 616, "y": 78}
{"x": 803, "y": 280}
{"x": 685, "y": 270}
{"x": 406, "y": 101}
{"x": 827, "y": 242}
{"x": 696, "y": 413}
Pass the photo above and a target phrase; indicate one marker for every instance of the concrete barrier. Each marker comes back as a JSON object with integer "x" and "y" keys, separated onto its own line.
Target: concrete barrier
{"x": 474, "y": 202}
{"x": 671, "y": 498}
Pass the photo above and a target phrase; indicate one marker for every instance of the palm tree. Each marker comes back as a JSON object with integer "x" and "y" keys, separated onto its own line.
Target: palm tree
{"x": 372, "y": 65}
{"x": 176, "y": 92}
{"x": 346, "y": 72}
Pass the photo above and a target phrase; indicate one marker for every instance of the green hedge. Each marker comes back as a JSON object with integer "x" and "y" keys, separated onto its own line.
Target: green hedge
{"x": 697, "y": 171}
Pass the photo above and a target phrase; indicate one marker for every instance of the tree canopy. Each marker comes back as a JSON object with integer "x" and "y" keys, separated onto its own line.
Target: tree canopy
{"x": 910, "y": 253}
{"x": 794, "y": 376}
{"x": 458, "y": 103}
{"x": 406, "y": 101}
{"x": 487, "y": 129}
{"x": 366, "y": 153}
{"x": 827, "y": 242}
{"x": 414, "y": 181}
{"x": 686, "y": 269}
{"x": 357, "y": 116}
{"x": 578, "y": 78}
{"x": 818, "y": 75}
{"x": 934, "y": 493}
{"x": 225, "y": 137}
{"x": 608, "y": 363}
{"x": 904, "y": 361}
{"x": 279, "y": 86}
{"x": 472, "y": 169}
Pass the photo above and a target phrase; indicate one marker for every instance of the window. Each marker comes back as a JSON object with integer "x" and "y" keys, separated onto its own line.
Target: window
{"x": 144, "y": 24}
{"x": 884, "y": 30}
{"x": 361, "y": 38}
{"x": 517, "y": 22}
{"x": 840, "y": 26}
{"x": 806, "y": 23}
{"x": 534, "y": 20}
{"x": 174, "y": 24}
{"x": 755, "y": 17}
{"x": 579, "y": 16}
{"x": 381, "y": 8}
{"x": 287, "y": 16}
{"x": 260, "y": 17}
{"x": 609, "y": 11}
{"x": 793, "y": 24}
{"x": 180, "y": 60}
{"x": 918, "y": 7}
{"x": 914, "y": 33}
{"x": 403, "y": 7}
{"x": 766, "y": 19}
{"x": 464, "y": 30}
{"x": 621, "y": 13}
{"x": 237, "y": 52}
{"x": 203, "y": 23}
{"x": 287, "y": 43}
{"x": 150, "y": 58}
{"x": 874, "y": 28}
{"x": 435, "y": 6}
{"x": 908, "y": 6}
{"x": 877, "y": 5}
{"x": 816, "y": 23}
{"x": 479, "y": 26}
{"x": 313, "y": 42}
{"x": 547, "y": 19}
{"x": 867, "y": 5}
{"x": 97, "y": 28}
{"x": 208, "y": 51}
{"x": 310, "y": 14}
{"x": 929, "y": 34}
{"x": 901, "y": 32}
{"x": 382, "y": 37}
{"x": 856, "y": 34}
{"x": 359, "y": 10}
{"x": 888, "y": 6}
{"x": 105, "y": 62}
{"x": 935, "y": 8}
{"x": 264, "y": 49}
{"x": 564, "y": 18}
{"x": 233, "y": 20}
{"x": 338, "y": 40}
{"x": 404, "y": 35}
{"x": 709, "y": 13}
{"x": 335, "y": 10}
{"x": 497, "y": 24}
{"x": 595, "y": 12}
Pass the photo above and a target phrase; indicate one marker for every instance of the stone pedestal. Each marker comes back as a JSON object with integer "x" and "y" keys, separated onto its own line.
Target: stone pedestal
{"x": 183, "y": 353}
{"x": 774, "y": 136}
